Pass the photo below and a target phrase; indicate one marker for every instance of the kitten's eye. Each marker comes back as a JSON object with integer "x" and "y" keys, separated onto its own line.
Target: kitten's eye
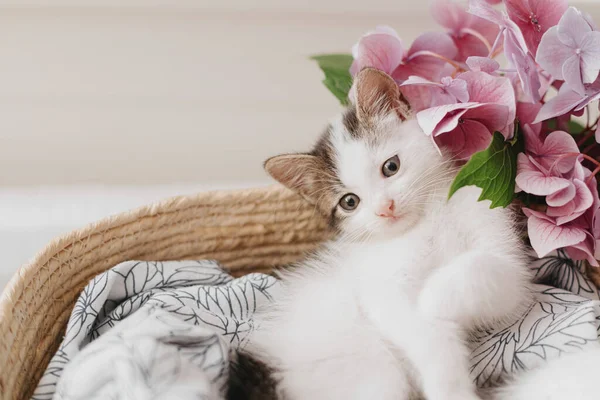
{"x": 349, "y": 202}
{"x": 390, "y": 166}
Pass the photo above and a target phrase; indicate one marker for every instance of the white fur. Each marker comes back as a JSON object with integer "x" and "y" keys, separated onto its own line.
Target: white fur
{"x": 382, "y": 312}
{"x": 571, "y": 376}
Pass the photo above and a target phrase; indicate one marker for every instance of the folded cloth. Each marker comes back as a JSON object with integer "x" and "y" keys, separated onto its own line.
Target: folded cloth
{"x": 165, "y": 330}
{"x": 159, "y": 330}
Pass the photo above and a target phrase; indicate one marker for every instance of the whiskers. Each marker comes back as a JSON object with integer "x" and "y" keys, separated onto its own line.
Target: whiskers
{"x": 362, "y": 233}
{"x": 430, "y": 187}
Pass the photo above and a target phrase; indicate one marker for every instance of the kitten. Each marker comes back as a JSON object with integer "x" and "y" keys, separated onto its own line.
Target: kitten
{"x": 383, "y": 312}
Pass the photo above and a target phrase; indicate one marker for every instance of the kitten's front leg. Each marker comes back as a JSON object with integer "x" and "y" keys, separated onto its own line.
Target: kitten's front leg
{"x": 434, "y": 347}
{"x": 439, "y": 354}
{"x": 476, "y": 288}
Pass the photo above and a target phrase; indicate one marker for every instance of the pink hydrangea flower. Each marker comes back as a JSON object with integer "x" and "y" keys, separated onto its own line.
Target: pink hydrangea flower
{"x": 461, "y": 111}
{"x": 535, "y": 17}
{"x": 551, "y": 168}
{"x": 579, "y": 235}
{"x": 569, "y": 101}
{"x": 532, "y": 179}
{"x": 570, "y": 51}
{"x": 546, "y": 235}
{"x": 472, "y": 35}
{"x": 383, "y": 49}
{"x": 422, "y": 93}
{"x": 556, "y": 155}
{"x": 466, "y": 128}
{"x": 526, "y": 114}
{"x": 485, "y": 64}
{"x": 571, "y": 202}
{"x": 426, "y": 57}
{"x": 515, "y": 47}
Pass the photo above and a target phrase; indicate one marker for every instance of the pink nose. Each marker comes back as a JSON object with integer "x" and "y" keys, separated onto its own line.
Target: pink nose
{"x": 387, "y": 209}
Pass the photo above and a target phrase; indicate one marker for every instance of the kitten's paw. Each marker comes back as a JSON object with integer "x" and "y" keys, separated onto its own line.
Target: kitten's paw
{"x": 434, "y": 304}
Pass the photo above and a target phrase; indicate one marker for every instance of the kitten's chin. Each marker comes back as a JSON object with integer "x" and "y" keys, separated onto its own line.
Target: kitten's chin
{"x": 393, "y": 227}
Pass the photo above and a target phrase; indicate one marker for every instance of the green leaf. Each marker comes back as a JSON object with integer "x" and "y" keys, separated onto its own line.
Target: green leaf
{"x": 575, "y": 128}
{"x": 493, "y": 170}
{"x": 337, "y": 74}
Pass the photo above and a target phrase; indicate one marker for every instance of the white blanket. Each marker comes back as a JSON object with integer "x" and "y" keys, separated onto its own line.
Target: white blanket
{"x": 164, "y": 330}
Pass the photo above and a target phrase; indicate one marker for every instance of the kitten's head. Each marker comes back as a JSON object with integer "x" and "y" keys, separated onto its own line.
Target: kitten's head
{"x": 373, "y": 172}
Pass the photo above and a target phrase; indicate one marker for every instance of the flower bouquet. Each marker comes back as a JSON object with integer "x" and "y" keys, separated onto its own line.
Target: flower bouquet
{"x": 526, "y": 132}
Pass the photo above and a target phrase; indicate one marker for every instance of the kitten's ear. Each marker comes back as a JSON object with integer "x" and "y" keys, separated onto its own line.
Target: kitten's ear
{"x": 297, "y": 172}
{"x": 377, "y": 94}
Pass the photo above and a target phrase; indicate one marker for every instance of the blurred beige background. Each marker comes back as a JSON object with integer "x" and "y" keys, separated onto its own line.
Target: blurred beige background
{"x": 109, "y": 104}
{"x": 149, "y": 91}
{"x": 152, "y": 92}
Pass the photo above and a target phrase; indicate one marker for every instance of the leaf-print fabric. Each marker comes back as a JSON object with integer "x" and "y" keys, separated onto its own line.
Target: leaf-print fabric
{"x": 154, "y": 330}
{"x": 164, "y": 330}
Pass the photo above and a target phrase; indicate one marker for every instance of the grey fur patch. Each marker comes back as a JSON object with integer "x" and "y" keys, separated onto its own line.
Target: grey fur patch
{"x": 251, "y": 379}
{"x": 351, "y": 123}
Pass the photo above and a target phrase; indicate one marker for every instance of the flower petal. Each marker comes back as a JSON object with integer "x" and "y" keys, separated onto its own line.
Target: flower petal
{"x": 466, "y": 29}
{"x": 590, "y": 57}
{"x": 422, "y": 93}
{"x": 556, "y": 151}
{"x": 418, "y": 80}
{"x": 492, "y": 115}
{"x": 484, "y": 10}
{"x": 486, "y": 88}
{"x": 488, "y": 30}
{"x": 436, "y": 120}
{"x": 531, "y": 180}
{"x": 546, "y": 236}
{"x": 561, "y": 197}
{"x": 529, "y": 212}
{"x": 552, "y": 53}
{"x": 526, "y": 113}
{"x": 519, "y": 11}
{"x": 419, "y": 97}
{"x": 422, "y": 57}
{"x": 436, "y": 42}
{"x": 528, "y": 75}
{"x": 484, "y": 64}
{"x": 457, "y": 88}
{"x": 584, "y": 251}
{"x": 449, "y": 14}
{"x": 380, "y": 50}
{"x": 588, "y": 18}
{"x": 386, "y": 29}
{"x": 425, "y": 66}
{"x": 546, "y": 12}
{"x": 571, "y": 72}
{"x": 574, "y": 209}
{"x": 469, "y": 137}
{"x": 533, "y": 142}
{"x": 566, "y": 100}
{"x": 572, "y": 27}
{"x": 469, "y": 45}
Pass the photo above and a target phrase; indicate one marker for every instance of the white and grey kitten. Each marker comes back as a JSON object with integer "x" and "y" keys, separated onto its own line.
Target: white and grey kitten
{"x": 383, "y": 312}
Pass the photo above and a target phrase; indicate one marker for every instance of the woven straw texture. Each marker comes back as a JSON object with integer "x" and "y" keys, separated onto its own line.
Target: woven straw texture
{"x": 247, "y": 231}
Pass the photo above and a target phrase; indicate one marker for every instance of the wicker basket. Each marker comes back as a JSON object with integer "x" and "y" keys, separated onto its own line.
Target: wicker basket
{"x": 247, "y": 231}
